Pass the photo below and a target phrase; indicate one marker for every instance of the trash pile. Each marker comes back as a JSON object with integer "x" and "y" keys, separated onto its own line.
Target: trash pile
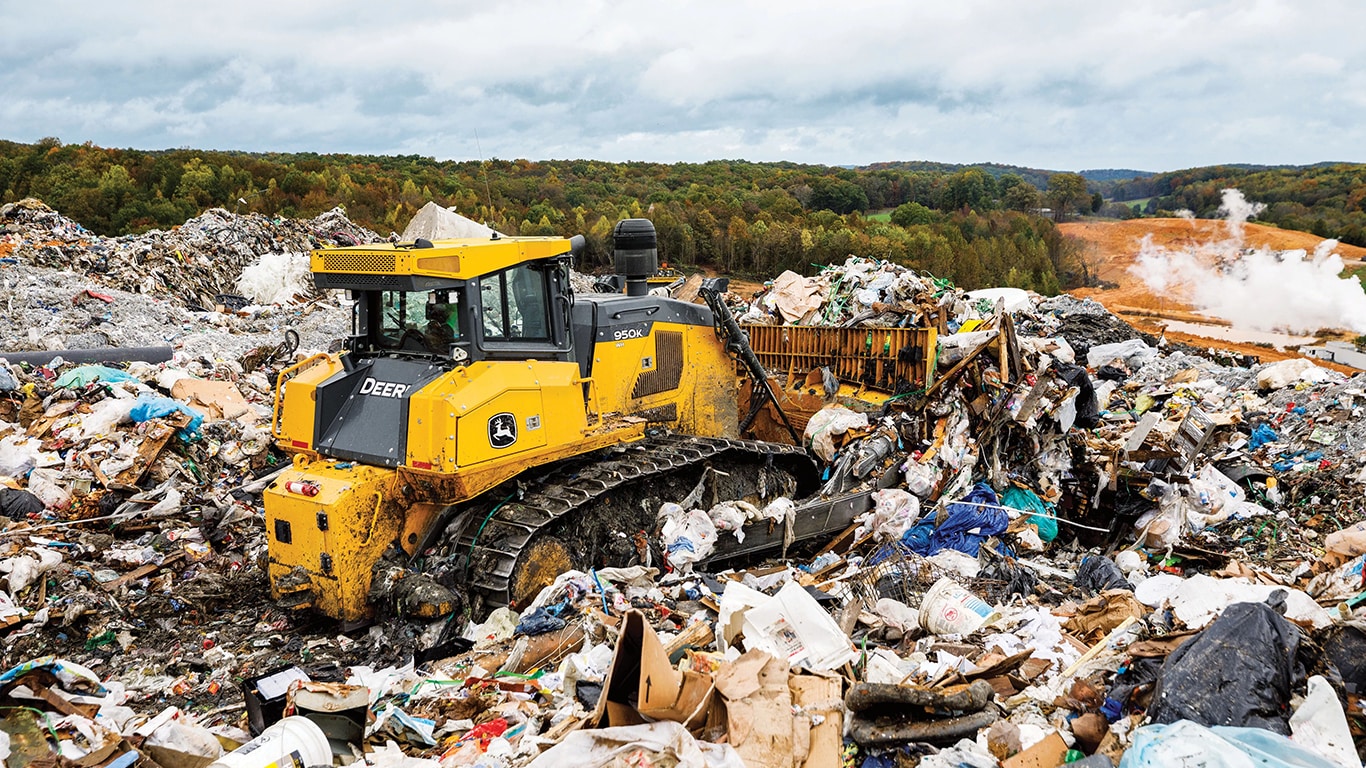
{"x": 197, "y": 265}
{"x": 864, "y": 292}
{"x": 1081, "y": 547}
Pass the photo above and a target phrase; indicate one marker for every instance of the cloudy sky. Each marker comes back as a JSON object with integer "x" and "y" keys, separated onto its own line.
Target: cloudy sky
{"x": 1059, "y": 84}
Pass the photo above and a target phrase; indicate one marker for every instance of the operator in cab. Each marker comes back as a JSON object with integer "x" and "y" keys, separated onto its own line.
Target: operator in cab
{"x": 443, "y": 325}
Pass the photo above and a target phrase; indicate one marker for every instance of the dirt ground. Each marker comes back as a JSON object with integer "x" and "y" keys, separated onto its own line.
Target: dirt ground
{"x": 1112, "y": 247}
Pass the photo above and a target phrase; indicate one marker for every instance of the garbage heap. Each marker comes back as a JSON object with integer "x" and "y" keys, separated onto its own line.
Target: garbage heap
{"x": 196, "y": 265}
{"x": 1080, "y": 547}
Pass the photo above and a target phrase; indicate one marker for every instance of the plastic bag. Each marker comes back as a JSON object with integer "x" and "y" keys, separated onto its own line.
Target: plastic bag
{"x": 104, "y": 416}
{"x": 1161, "y": 528}
{"x": 79, "y": 377}
{"x": 184, "y": 738}
{"x": 1041, "y": 513}
{"x": 18, "y": 455}
{"x": 1134, "y": 352}
{"x": 894, "y": 512}
{"x": 1190, "y": 744}
{"x": 1088, "y": 408}
{"x": 1261, "y": 436}
{"x": 687, "y": 536}
{"x": 1320, "y": 724}
{"x": 728, "y": 517}
{"x": 829, "y": 423}
{"x": 24, "y": 569}
{"x": 1097, "y": 574}
{"x": 15, "y": 503}
{"x": 920, "y": 478}
{"x": 150, "y": 407}
{"x": 1286, "y": 372}
{"x": 47, "y": 486}
{"x": 1241, "y": 670}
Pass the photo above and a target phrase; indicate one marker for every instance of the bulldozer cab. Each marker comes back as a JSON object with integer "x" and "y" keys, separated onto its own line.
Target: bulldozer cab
{"x": 516, "y": 312}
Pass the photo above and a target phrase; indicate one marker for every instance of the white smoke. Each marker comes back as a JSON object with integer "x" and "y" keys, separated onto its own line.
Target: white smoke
{"x": 1237, "y": 210}
{"x": 1256, "y": 289}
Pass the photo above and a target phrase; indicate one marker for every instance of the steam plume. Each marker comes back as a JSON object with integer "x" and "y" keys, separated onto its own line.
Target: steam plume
{"x": 1256, "y": 289}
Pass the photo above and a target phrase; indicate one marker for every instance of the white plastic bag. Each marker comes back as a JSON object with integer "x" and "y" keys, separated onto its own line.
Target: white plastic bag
{"x": 894, "y": 512}
{"x": 920, "y": 478}
{"x": 728, "y": 517}
{"x": 1134, "y": 352}
{"x": 1320, "y": 724}
{"x": 47, "y": 485}
{"x": 829, "y": 423}
{"x": 18, "y": 454}
{"x": 687, "y": 536}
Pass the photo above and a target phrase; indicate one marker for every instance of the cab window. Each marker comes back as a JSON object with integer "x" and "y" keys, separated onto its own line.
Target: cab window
{"x": 514, "y": 305}
{"x": 419, "y": 321}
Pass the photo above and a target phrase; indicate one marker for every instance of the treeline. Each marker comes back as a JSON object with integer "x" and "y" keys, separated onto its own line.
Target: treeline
{"x": 971, "y": 226}
{"x": 1328, "y": 199}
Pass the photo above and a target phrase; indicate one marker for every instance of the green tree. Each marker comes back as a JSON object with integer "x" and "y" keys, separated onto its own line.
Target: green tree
{"x": 912, "y": 214}
{"x": 1021, "y": 197}
{"x": 1066, "y": 192}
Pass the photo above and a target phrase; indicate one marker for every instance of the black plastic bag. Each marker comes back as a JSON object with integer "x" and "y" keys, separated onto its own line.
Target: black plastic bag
{"x": 16, "y": 504}
{"x": 1240, "y": 671}
{"x": 1098, "y": 574}
{"x": 1088, "y": 408}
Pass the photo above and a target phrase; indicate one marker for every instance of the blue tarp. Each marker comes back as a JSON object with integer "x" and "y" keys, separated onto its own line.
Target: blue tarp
{"x": 970, "y": 522}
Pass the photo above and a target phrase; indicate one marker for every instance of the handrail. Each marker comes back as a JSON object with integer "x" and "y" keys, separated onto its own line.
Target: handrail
{"x": 286, "y": 374}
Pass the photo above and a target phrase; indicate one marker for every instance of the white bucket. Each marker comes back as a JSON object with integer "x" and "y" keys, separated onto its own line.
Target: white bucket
{"x": 949, "y": 609}
{"x": 294, "y": 742}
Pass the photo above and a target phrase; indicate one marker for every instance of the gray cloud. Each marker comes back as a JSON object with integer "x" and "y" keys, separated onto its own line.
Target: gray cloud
{"x": 1054, "y": 83}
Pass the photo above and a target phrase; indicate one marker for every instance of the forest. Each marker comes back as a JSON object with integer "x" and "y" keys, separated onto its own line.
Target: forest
{"x": 743, "y": 218}
{"x": 1327, "y": 199}
{"x": 978, "y": 226}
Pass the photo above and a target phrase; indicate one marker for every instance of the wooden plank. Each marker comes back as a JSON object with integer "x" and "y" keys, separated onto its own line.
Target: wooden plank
{"x": 699, "y": 634}
{"x": 59, "y": 702}
{"x": 158, "y": 434}
{"x": 143, "y": 571}
{"x": 1140, "y": 433}
{"x": 844, "y": 539}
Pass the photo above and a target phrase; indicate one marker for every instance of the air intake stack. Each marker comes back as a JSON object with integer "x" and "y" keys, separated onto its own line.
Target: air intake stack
{"x": 635, "y": 253}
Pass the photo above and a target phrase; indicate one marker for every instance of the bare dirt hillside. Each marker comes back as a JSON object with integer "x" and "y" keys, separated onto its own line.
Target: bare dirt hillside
{"x": 1112, "y": 247}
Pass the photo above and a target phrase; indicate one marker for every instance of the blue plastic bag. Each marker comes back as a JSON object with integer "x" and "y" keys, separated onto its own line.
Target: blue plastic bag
{"x": 1261, "y": 436}
{"x": 1187, "y": 743}
{"x": 1041, "y": 512}
{"x": 151, "y": 407}
{"x": 79, "y": 377}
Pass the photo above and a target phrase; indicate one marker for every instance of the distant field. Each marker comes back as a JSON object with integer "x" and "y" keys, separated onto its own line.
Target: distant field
{"x": 1141, "y": 202}
{"x": 884, "y": 216}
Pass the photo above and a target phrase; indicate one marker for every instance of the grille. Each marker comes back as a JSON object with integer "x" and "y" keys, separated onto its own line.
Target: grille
{"x": 359, "y": 262}
{"x": 668, "y": 369}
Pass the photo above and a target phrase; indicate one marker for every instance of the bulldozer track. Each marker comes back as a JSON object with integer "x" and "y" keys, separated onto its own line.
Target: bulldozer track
{"x": 491, "y": 549}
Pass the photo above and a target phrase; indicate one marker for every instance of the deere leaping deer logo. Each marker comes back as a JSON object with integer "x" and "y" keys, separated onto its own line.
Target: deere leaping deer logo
{"x": 502, "y": 430}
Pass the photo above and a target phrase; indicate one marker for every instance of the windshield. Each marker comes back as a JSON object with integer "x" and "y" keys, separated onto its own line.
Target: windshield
{"x": 418, "y": 321}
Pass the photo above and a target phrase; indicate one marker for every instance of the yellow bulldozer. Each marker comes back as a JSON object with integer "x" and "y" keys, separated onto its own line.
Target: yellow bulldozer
{"x": 485, "y": 428}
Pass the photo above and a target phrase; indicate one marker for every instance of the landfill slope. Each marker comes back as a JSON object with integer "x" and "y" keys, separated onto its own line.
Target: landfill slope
{"x": 1112, "y": 249}
{"x": 1083, "y": 547}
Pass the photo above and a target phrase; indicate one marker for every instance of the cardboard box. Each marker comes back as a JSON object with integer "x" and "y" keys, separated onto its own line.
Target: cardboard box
{"x": 642, "y": 685}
